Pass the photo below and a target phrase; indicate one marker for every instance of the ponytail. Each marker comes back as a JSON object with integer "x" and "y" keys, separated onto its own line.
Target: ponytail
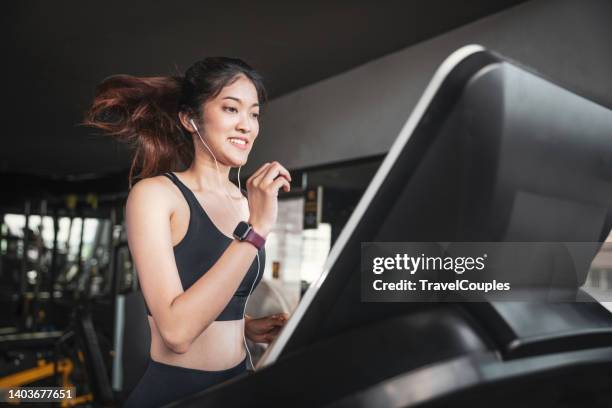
{"x": 143, "y": 112}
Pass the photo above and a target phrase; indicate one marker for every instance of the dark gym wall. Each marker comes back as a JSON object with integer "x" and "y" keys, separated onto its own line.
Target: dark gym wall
{"x": 360, "y": 112}
{"x": 56, "y": 53}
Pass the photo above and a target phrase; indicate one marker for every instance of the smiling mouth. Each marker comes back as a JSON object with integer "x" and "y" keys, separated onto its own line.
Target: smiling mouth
{"x": 239, "y": 143}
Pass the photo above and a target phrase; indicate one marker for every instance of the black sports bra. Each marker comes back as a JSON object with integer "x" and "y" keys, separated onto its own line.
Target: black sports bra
{"x": 202, "y": 246}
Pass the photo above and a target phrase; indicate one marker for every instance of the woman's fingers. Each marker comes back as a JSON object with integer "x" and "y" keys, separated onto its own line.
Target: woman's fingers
{"x": 274, "y": 171}
{"x": 277, "y": 321}
{"x": 259, "y": 172}
{"x": 279, "y": 183}
{"x": 272, "y": 327}
{"x": 274, "y": 332}
{"x": 274, "y": 323}
{"x": 268, "y": 176}
{"x": 281, "y": 317}
{"x": 262, "y": 169}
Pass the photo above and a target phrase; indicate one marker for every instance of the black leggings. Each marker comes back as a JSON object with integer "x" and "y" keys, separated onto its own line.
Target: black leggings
{"x": 162, "y": 384}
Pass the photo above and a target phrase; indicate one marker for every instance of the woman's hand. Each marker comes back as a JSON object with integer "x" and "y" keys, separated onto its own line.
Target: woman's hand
{"x": 263, "y": 186}
{"x": 264, "y": 329}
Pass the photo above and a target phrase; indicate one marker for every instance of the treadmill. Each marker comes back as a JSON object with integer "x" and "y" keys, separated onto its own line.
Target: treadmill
{"x": 491, "y": 153}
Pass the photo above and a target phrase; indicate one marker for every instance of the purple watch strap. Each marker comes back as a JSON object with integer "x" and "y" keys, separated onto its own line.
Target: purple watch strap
{"x": 254, "y": 238}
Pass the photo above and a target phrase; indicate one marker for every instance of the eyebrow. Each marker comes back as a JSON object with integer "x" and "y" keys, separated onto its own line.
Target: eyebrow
{"x": 238, "y": 100}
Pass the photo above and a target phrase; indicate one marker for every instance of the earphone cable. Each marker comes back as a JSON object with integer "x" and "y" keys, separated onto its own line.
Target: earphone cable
{"x": 239, "y": 217}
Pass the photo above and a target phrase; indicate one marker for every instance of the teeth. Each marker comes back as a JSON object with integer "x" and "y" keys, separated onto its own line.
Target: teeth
{"x": 238, "y": 141}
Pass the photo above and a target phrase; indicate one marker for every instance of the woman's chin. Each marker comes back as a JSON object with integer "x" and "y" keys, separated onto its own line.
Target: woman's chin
{"x": 232, "y": 159}
{"x": 238, "y": 160}
{"x": 235, "y": 162}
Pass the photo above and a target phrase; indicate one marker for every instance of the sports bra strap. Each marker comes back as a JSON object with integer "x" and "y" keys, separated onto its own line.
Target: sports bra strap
{"x": 186, "y": 191}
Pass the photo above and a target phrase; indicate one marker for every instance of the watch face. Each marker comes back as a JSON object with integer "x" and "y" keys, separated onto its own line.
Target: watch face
{"x": 241, "y": 231}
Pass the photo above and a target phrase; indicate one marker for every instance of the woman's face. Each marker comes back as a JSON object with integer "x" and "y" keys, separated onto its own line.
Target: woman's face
{"x": 231, "y": 122}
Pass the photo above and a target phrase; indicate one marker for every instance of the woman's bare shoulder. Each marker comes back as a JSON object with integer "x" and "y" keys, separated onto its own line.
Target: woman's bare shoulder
{"x": 155, "y": 191}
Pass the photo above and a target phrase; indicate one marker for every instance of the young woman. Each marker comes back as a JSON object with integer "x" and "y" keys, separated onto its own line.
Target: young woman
{"x": 197, "y": 259}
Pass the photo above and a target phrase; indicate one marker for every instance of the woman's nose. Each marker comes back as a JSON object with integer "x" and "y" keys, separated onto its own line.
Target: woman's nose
{"x": 244, "y": 124}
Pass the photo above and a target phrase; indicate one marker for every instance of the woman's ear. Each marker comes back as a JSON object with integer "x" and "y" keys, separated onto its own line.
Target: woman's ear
{"x": 184, "y": 118}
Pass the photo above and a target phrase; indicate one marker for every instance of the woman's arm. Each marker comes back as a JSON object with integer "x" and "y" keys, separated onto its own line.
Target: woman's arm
{"x": 181, "y": 316}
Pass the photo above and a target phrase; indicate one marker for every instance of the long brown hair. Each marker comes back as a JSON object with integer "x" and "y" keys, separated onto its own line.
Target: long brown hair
{"x": 143, "y": 111}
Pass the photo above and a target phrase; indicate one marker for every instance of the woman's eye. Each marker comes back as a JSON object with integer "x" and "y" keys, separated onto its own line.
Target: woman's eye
{"x": 255, "y": 115}
{"x": 230, "y": 109}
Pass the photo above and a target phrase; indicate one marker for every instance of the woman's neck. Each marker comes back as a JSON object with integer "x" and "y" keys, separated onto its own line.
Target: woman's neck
{"x": 210, "y": 177}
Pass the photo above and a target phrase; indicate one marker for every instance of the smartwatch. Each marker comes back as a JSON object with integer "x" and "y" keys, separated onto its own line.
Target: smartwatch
{"x": 245, "y": 232}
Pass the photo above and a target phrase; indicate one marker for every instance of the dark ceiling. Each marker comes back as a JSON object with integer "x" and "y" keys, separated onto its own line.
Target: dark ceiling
{"x": 55, "y": 54}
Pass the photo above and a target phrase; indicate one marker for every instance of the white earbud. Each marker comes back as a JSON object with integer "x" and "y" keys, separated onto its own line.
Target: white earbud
{"x": 193, "y": 124}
